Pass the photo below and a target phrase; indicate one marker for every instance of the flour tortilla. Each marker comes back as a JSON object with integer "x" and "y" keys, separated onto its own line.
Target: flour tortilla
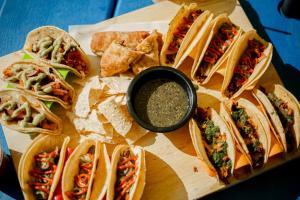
{"x": 260, "y": 123}
{"x": 44, "y": 143}
{"x": 54, "y": 32}
{"x": 138, "y": 187}
{"x": 47, "y": 69}
{"x": 283, "y": 94}
{"x": 260, "y": 68}
{"x": 195, "y": 29}
{"x": 35, "y": 104}
{"x": 216, "y": 23}
{"x": 199, "y": 143}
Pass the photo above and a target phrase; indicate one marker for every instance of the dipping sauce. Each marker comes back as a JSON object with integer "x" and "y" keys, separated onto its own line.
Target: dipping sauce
{"x": 161, "y": 102}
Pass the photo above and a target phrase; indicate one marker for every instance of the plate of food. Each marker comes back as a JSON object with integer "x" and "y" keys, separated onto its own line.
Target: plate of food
{"x": 176, "y": 105}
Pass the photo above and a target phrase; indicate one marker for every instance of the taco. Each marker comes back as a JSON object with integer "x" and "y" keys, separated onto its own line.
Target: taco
{"x": 22, "y": 112}
{"x": 217, "y": 48}
{"x": 128, "y": 173}
{"x": 56, "y": 47}
{"x": 41, "y": 81}
{"x": 41, "y": 166}
{"x": 182, "y": 30}
{"x": 250, "y": 128}
{"x": 86, "y": 171}
{"x": 213, "y": 142}
{"x": 283, "y": 111}
{"x": 248, "y": 61}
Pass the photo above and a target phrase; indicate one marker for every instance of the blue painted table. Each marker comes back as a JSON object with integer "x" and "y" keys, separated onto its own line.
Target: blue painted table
{"x": 17, "y": 17}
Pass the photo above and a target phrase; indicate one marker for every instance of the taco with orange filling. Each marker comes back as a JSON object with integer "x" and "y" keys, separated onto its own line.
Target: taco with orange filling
{"x": 250, "y": 128}
{"x": 283, "y": 111}
{"x": 86, "y": 171}
{"x": 187, "y": 23}
{"x": 246, "y": 64}
{"x": 41, "y": 81}
{"x": 128, "y": 173}
{"x": 41, "y": 166}
{"x": 23, "y": 112}
{"x": 56, "y": 47}
{"x": 217, "y": 48}
{"x": 213, "y": 143}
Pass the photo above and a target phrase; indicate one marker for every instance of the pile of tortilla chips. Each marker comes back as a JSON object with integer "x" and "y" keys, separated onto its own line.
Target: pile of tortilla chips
{"x": 101, "y": 111}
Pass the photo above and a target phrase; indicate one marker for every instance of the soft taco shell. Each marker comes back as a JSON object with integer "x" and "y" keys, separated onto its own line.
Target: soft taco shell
{"x": 17, "y": 96}
{"x": 72, "y": 167}
{"x": 195, "y": 28}
{"x": 54, "y": 32}
{"x": 216, "y": 23}
{"x": 45, "y": 143}
{"x": 138, "y": 187}
{"x": 233, "y": 59}
{"x": 199, "y": 143}
{"x": 50, "y": 72}
{"x": 260, "y": 123}
{"x": 280, "y": 92}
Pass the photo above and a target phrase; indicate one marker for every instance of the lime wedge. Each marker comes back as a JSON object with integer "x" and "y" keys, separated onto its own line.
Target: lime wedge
{"x": 26, "y": 57}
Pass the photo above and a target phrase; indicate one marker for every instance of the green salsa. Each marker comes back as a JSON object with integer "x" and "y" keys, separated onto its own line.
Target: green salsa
{"x": 161, "y": 102}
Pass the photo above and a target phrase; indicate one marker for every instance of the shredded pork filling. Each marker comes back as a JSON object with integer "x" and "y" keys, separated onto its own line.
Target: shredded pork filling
{"x": 245, "y": 67}
{"x": 216, "y": 49}
{"x": 286, "y": 116}
{"x": 179, "y": 35}
{"x": 249, "y": 134}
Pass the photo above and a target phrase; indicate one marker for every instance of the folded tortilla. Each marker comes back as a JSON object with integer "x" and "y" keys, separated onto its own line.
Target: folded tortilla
{"x": 136, "y": 182}
{"x": 248, "y": 61}
{"x": 117, "y": 59}
{"x": 97, "y": 183}
{"x": 151, "y": 46}
{"x": 283, "y": 113}
{"x": 183, "y": 28}
{"x": 209, "y": 132}
{"x": 56, "y": 47}
{"x": 102, "y": 40}
{"x": 27, "y": 166}
{"x": 250, "y": 128}
{"x": 216, "y": 49}
{"x": 23, "y": 112}
{"x": 39, "y": 80}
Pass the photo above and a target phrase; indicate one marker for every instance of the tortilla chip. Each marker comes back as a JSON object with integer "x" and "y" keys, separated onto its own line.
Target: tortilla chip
{"x": 82, "y": 105}
{"x": 116, "y": 85}
{"x": 92, "y": 124}
{"x": 150, "y": 46}
{"x": 118, "y": 117}
{"x": 117, "y": 59}
{"x": 102, "y": 40}
{"x": 135, "y": 133}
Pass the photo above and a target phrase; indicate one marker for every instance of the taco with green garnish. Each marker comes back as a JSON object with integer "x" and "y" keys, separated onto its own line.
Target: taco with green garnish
{"x": 40, "y": 80}
{"x": 220, "y": 42}
{"x": 41, "y": 167}
{"x": 283, "y": 111}
{"x": 23, "y": 112}
{"x": 247, "y": 62}
{"x": 213, "y": 143}
{"x": 56, "y": 47}
{"x": 128, "y": 173}
{"x": 250, "y": 129}
{"x": 85, "y": 174}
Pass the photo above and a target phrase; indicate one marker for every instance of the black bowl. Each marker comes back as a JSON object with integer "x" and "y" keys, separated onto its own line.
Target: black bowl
{"x": 165, "y": 73}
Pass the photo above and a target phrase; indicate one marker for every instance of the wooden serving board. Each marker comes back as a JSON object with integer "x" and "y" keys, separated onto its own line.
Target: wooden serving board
{"x": 173, "y": 170}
